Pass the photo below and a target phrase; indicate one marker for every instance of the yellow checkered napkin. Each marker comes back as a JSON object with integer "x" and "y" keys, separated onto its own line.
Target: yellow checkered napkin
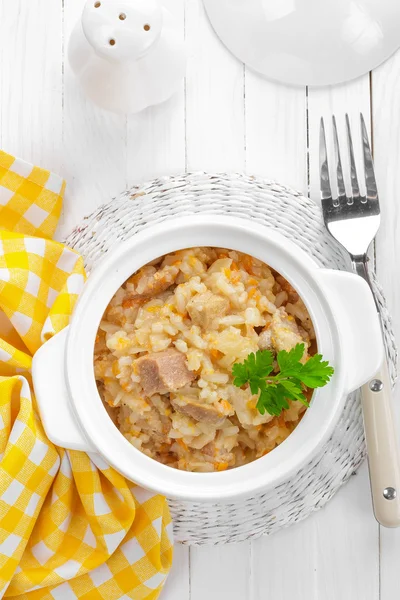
{"x": 70, "y": 526}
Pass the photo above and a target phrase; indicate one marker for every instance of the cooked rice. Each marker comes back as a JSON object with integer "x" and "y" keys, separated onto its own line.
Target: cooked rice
{"x": 150, "y": 314}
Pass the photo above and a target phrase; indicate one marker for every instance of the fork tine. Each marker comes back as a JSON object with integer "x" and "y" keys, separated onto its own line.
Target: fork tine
{"x": 323, "y": 164}
{"x": 370, "y": 181}
{"x": 339, "y": 170}
{"x": 353, "y": 172}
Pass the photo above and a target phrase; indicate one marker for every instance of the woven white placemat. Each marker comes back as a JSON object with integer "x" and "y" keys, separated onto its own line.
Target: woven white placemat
{"x": 299, "y": 219}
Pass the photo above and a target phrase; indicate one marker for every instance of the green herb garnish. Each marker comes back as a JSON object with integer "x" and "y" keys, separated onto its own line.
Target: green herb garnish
{"x": 288, "y": 384}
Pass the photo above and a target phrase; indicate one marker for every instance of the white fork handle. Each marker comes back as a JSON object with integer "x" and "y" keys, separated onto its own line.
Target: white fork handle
{"x": 382, "y": 448}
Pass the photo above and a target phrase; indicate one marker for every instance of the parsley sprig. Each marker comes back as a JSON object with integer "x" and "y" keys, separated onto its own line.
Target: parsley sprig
{"x": 276, "y": 390}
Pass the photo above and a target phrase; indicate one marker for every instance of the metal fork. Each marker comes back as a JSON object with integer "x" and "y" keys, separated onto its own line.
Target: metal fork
{"x": 353, "y": 220}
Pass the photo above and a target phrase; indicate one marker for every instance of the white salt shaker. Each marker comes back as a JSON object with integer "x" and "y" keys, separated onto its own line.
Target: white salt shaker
{"x": 127, "y": 54}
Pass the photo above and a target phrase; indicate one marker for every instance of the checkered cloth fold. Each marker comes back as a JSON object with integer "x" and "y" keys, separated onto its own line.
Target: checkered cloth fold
{"x": 70, "y": 526}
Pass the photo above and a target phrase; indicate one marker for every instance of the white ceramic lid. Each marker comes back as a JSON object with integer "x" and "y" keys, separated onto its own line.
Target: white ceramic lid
{"x": 308, "y": 42}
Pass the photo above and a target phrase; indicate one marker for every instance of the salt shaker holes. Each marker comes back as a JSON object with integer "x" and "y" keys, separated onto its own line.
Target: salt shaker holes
{"x": 107, "y": 47}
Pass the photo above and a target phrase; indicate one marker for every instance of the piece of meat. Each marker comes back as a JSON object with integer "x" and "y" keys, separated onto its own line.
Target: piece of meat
{"x": 285, "y": 333}
{"x": 162, "y": 372}
{"x": 204, "y": 308}
{"x": 264, "y": 340}
{"x": 197, "y": 411}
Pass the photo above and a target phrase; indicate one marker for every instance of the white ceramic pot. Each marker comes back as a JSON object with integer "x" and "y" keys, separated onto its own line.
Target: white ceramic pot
{"x": 345, "y": 321}
{"x": 127, "y": 55}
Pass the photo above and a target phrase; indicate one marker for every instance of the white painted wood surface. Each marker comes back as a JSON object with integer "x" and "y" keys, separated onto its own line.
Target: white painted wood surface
{"x": 223, "y": 118}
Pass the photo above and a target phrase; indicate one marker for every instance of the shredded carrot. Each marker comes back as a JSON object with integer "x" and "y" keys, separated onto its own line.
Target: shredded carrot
{"x": 281, "y": 420}
{"x": 221, "y": 466}
{"x": 252, "y": 292}
{"x": 234, "y": 266}
{"x": 216, "y": 354}
{"x": 182, "y": 443}
{"x": 228, "y": 273}
{"x": 153, "y": 309}
{"x": 134, "y": 301}
{"x": 123, "y": 343}
{"x": 135, "y": 277}
{"x": 115, "y": 368}
{"x": 247, "y": 263}
{"x": 252, "y": 281}
{"x": 226, "y": 405}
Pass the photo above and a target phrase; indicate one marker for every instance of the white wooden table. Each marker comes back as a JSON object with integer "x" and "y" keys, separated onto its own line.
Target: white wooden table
{"x": 223, "y": 118}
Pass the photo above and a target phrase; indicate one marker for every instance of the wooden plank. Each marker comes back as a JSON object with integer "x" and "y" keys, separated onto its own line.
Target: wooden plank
{"x": 351, "y": 98}
{"x": 156, "y": 146}
{"x": 94, "y": 143}
{"x": 220, "y": 572}
{"x": 321, "y": 539}
{"x": 177, "y": 586}
{"x": 31, "y": 80}
{"x": 329, "y": 556}
{"x": 156, "y": 137}
{"x": 276, "y": 147}
{"x": 215, "y": 142}
{"x": 276, "y": 132}
{"x": 214, "y": 98}
{"x": 389, "y": 572}
{"x": 386, "y": 123}
{"x": 334, "y": 553}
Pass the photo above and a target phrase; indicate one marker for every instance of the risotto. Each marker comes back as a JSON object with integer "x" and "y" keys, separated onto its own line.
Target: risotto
{"x": 165, "y": 349}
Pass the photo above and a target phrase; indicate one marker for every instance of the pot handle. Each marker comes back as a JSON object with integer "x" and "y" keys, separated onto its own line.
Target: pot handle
{"x": 358, "y": 321}
{"x": 48, "y": 374}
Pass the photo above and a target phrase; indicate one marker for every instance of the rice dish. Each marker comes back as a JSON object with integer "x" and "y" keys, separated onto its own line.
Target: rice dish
{"x": 166, "y": 345}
